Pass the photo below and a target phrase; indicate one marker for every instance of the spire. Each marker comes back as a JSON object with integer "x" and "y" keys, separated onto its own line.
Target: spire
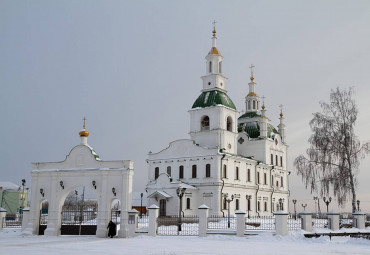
{"x": 263, "y": 111}
{"x": 84, "y": 133}
{"x": 214, "y": 50}
{"x": 252, "y": 100}
{"x": 252, "y": 76}
{"x": 282, "y": 125}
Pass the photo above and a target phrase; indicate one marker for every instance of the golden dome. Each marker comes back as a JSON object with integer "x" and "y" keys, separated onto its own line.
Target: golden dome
{"x": 214, "y": 51}
{"x": 252, "y": 94}
{"x": 84, "y": 132}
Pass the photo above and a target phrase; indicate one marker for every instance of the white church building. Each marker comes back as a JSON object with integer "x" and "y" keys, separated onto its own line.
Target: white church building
{"x": 227, "y": 156}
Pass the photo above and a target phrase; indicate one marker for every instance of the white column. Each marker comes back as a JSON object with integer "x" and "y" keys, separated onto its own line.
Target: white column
{"x": 54, "y": 224}
{"x": 2, "y": 217}
{"x": 333, "y": 220}
{"x": 359, "y": 220}
{"x": 153, "y": 215}
{"x": 203, "y": 220}
{"x": 103, "y": 208}
{"x": 281, "y": 223}
{"x": 25, "y": 217}
{"x": 240, "y": 223}
{"x": 306, "y": 220}
{"x": 132, "y": 222}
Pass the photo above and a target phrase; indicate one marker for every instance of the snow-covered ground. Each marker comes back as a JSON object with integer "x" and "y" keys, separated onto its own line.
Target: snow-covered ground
{"x": 12, "y": 242}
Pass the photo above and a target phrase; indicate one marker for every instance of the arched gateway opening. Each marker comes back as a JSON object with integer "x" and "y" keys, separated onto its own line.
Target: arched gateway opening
{"x": 76, "y": 196}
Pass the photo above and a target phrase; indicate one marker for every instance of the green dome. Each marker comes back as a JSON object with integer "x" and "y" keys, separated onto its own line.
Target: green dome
{"x": 250, "y": 115}
{"x": 252, "y": 129}
{"x": 213, "y": 98}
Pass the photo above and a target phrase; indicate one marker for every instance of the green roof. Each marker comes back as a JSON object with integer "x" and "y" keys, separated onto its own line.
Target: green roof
{"x": 250, "y": 115}
{"x": 253, "y": 129}
{"x": 213, "y": 98}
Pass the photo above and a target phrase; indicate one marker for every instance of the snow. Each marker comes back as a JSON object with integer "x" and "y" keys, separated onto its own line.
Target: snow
{"x": 12, "y": 242}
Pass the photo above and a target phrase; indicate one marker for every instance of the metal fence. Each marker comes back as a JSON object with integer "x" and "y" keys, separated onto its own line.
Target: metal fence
{"x": 294, "y": 223}
{"x": 143, "y": 222}
{"x": 260, "y": 223}
{"x": 220, "y": 222}
{"x": 78, "y": 223}
{"x": 13, "y": 220}
{"x": 168, "y": 225}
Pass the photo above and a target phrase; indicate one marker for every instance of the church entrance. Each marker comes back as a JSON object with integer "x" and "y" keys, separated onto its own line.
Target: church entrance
{"x": 162, "y": 207}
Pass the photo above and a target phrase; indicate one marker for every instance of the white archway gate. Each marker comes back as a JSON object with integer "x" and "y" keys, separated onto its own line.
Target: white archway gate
{"x": 53, "y": 181}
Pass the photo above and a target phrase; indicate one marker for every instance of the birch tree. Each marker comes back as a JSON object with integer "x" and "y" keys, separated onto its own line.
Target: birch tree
{"x": 332, "y": 161}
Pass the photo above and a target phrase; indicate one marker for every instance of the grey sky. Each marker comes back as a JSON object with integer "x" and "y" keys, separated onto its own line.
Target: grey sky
{"x": 133, "y": 69}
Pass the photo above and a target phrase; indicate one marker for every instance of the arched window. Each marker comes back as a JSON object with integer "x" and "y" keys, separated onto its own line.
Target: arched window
{"x": 229, "y": 124}
{"x": 254, "y": 104}
{"x": 210, "y": 66}
{"x": 258, "y": 177}
{"x": 276, "y": 160}
{"x": 225, "y": 172}
{"x": 169, "y": 171}
{"x": 281, "y": 161}
{"x": 264, "y": 178}
{"x": 194, "y": 171}
{"x": 248, "y": 175}
{"x": 208, "y": 170}
{"x": 281, "y": 181}
{"x": 204, "y": 124}
{"x": 265, "y": 206}
{"x": 219, "y": 67}
{"x": 258, "y": 206}
{"x": 188, "y": 203}
{"x": 236, "y": 173}
{"x": 236, "y": 204}
{"x": 181, "y": 172}
{"x": 249, "y": 105}
{"x": 272, "y": 159}
{"x": 156, "y": 173}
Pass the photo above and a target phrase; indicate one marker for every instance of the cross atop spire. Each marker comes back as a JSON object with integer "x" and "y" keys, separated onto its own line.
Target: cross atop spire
{"x": 252, "y": 67}
{"x": 214, "y": 28}
{"x": 263, "y": 103}
{"x": 281, "y": 110}
{"x": 84, "y": 126}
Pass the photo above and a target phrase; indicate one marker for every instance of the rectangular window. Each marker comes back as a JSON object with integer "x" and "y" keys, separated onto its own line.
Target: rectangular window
{"x": 181, "y": 172}
{"x": 281, "y": 161}
{"x": 265, "y": 206}
{"x": 169, "y": 171}
{"x": 272, "y": 159}
{"x": 194, "y": 171}
{"x": 248, "y": 175}
{"x": 276, "y": 160}
{"x": 156, "y": 173}
{"x": 225, "y": 172}
{"x": 237, "y": 173}
{"x": 258, "y": 206}
{"x": 237, "y": 204}
{"x": 188, "y": 203}
{"x": 258, "y": 177}
{"x": 281, "y": 182}
{"x": 264, "y": 178}
{"x": 208, "y": 170}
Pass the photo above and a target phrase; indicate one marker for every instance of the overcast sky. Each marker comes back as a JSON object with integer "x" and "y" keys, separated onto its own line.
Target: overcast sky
{"x": 133, "y": 69}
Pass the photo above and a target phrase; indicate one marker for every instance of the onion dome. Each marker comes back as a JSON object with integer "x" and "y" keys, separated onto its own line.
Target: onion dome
{"x": 213, "y": 98}
{"x": 84, "y": 132}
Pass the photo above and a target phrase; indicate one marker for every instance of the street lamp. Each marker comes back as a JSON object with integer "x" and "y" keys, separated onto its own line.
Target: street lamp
{"x": 315, "y": 199}
{"x": 327, "y": 202}
{"x": 249, "y": 197}
{"x": 358, "y": 205}
{"x": 295, "y": 211}
{"x": 304, "y": 207}
{"x": 228, "y": 208}
{"x": 180, "y": 193}
{"x": 76, "y": 193}
{"x": 141, "y": 205}
{"x": 22, "y": 196}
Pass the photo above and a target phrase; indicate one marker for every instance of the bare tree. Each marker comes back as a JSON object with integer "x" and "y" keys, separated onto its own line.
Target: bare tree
{"x": 333, "y": 158}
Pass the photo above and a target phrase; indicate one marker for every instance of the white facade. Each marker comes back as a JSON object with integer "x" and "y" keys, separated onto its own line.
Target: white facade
{"x": 53, "y": 181}
{"x": 226, "y": 155}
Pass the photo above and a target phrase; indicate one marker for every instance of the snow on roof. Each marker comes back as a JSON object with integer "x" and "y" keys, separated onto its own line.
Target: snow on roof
{"x": 9, "y": 186}
{"x": 160, "y": 193}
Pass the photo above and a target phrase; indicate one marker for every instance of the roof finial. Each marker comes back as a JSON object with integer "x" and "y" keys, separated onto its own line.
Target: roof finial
{"x": 252, "y": 76}
{"x": 281, "y": 111}
{"x": 84, "y": 132}
{"x": 84, "y": 126}
{"x": 263, "y": 103}
{"x": 214, "y": 29}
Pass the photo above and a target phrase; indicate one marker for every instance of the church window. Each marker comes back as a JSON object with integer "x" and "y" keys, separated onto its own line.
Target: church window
{"x": 169, "y": 171}
{"x": 258, "y": 206}
{"x": 204, "y": 125}
{"x": 277, "y": 183}
{"x": 224, "y": 175}
{"x": 210, "y": 66}
{"x": 219, "y": 68}
{"x": 208, "y": 170}
{"x": 258, "y": 177}
{"x": 156, "y": 173}
{"x": 276, "y": 160}
{"x": 281, "y": 161}
{"x": 194, "y": 171}
{"x": 272, "y": 159}
{"x": 248, "y": 175}
{"x": 264, "y": 178}
{"x": 236, "y": 173}
{"x": 254, "y": 105}
{"x": 248, "y": 204}
{"x": 281, "y": 181}
{"x": 265, "y": 206}
{"x": 229, "y": 124}
{"x": 236, "y": 204}
{"x": 181, "y": 172}
{"x": 249, "y": 105}
{"x": 188, "y": 203}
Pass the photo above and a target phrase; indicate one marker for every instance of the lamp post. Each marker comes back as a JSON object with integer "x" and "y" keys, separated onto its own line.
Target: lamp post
{"x": 141, "y": 205}
{"x": 304, "y": 207}
{"x": 295, "y": 211}
{"x": 180, "y": 193}
{"x": 228, "y": 200}
{"x": 249, "y": 197}
{"x": 327, "y": 202}
{"x": 76, "y": 193}
{"x": 22, "y": 196}
{"x": 358, "y": 205}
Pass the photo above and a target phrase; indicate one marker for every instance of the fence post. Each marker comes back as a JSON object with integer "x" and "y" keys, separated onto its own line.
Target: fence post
{"x": 359, "y": 218}
{"x": 306, "y": 220}
{"x": 25, "y": 217}
{"x": 132, "y": 222}
{"x": 2, "y": 217}
{"x": 203, "y": 220}
{"x": 333, "y": 220}
{"x": 281, "y": 223}
{"x": 153, "y": 215}
{"x": 240, "y": 223}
